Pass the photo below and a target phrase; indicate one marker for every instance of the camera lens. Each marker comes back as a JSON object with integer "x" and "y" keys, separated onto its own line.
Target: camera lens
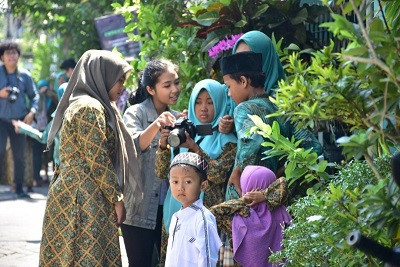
{"x": 173, "y": 138}
{"x": 176, "y": 137}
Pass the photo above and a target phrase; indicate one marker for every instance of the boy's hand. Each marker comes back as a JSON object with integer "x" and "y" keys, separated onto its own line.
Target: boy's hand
{"x": 5, "y": 92}
{"x": 254, "y": 197}
{"x": 29, "y": 118}
{"x": 225, "y": 124}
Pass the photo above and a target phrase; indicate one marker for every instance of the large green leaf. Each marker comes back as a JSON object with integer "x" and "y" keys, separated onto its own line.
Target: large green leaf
{"x": 215, "y": 6}
{"x": 261, "y": 9}
{"x": 300, "y": 17}
{"x": 212, "y": 39}
{"x": 208, "y": 18}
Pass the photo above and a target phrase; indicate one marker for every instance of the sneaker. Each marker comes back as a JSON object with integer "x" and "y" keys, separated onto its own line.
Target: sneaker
{"x": 23, "y": 195}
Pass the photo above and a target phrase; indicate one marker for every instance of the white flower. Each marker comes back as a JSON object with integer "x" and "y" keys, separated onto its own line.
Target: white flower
{"x": 314, "y": 218}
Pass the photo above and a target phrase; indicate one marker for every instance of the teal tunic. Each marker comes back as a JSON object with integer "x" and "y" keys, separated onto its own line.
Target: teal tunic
{"x": 250, "y": 151}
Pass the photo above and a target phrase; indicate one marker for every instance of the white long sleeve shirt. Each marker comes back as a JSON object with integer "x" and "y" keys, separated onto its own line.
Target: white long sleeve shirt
{"x": 193, "y": 238}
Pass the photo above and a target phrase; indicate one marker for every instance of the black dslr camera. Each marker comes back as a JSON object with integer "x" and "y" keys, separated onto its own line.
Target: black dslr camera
{"x": 177, "y": 135}
{"x": 13, "y": 94}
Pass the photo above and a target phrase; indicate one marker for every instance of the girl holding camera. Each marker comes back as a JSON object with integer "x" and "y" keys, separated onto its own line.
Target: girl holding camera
{"x": 159, "y": 87}
{"x": 207, "y": 104}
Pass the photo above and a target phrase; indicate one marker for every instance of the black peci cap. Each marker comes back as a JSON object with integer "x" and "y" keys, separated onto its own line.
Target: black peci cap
{"x": 241, "y": 62}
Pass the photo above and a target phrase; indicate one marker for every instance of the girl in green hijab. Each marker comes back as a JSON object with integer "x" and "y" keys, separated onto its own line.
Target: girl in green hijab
{"x": 258, "y": 42}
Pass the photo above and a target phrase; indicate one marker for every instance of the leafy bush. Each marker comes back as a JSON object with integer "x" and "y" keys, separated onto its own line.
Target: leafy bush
{"x": 162, "y": 37}
{"x": 358, "y": 86}
{"x": 355, "y": 199}
{"x": 301, "y": 164}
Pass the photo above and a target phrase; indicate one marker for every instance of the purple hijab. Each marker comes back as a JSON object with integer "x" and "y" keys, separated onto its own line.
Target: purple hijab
{"x": 255, "y": 236}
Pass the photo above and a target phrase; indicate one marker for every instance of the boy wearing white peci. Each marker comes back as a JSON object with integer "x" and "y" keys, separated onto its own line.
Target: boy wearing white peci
{"x": 193, "y": 237}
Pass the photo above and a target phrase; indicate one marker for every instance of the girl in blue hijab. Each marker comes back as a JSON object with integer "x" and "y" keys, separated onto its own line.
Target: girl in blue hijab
{"x": 207, "y": 104}
{"x": 258, "y": 42}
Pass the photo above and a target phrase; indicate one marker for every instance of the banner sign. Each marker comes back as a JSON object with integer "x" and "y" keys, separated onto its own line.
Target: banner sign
{"x": 111, "y": 33}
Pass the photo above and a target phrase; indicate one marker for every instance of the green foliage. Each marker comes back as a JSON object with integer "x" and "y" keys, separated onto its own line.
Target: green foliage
{"x": 73, "y": 21}
{"x": 355, "y": 199}
{"x": 162, "y": 37}
{"x": 43, "y": 59}
{"x": 301, "y": 164}
{"x": 285, "y": 19}
{"x": 358, "y": 87}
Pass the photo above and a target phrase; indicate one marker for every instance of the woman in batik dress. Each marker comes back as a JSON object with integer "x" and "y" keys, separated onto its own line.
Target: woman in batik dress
{"x": 84, "y": 205}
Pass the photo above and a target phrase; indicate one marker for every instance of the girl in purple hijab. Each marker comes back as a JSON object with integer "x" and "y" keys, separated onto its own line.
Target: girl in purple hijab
{"x": 256, "y": 230}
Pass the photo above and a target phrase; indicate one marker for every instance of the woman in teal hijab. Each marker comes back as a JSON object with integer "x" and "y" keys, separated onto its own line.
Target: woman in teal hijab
{"x": 258, "y": 42}
{"x": 211, "y": 144}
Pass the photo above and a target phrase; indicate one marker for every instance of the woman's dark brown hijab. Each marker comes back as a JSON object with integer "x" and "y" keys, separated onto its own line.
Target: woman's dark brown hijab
{"x": 96, "y": 72}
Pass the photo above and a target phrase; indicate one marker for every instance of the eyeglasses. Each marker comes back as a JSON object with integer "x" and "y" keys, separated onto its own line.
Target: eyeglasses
{"x": 10, "y": 52}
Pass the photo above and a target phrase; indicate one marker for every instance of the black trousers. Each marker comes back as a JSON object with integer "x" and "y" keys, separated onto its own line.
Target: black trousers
{"x": 18, "y": 149}
{"x": 139, "y": 242}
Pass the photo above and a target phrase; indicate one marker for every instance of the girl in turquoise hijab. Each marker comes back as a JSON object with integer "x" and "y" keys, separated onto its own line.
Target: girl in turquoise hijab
{"x": 258, "y": 42}
{"x": 211, "y": 144}
{"x": 218, "y": 149}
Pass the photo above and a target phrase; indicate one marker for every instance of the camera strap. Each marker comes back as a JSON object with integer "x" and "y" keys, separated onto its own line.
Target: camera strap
{"x": 8, "y": 79}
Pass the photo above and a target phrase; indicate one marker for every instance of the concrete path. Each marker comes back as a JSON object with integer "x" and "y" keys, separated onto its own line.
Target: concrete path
{"x": 21, "y": 228}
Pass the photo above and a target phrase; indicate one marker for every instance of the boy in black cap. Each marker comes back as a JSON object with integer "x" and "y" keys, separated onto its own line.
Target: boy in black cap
{"x": 243, "y": 75}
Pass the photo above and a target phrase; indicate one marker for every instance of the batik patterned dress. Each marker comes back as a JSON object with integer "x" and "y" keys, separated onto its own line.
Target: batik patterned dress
{"x": 80, "y": 224}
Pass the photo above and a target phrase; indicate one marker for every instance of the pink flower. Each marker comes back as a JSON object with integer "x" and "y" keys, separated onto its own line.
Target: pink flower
{"x": 223, "y": 45}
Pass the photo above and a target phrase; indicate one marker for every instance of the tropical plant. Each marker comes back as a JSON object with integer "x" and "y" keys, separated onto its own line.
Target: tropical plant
{"x": 70, "y": 20}
{"x": 301, "y": 164}
{"x": 45, "y": 59}
{"x": 358, "y": 87}
{"x": 285, "y": 19}
{"x": 161, "y": 37}
{"x": 355, "y": 199}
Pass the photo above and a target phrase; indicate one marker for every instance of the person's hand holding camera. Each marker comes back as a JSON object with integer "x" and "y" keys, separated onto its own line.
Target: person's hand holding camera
{"x": 43, "y": 89}
{"x": 163, "y": 143}
{"x": 190, "y": 144}
{"x": 183, "y": 114}
{"x": 5, "y": 92}
{"x": 165, "y": 119}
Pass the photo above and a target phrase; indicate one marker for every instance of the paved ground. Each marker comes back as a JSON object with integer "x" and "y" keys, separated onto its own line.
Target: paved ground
{"x": 21, "y": 226}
